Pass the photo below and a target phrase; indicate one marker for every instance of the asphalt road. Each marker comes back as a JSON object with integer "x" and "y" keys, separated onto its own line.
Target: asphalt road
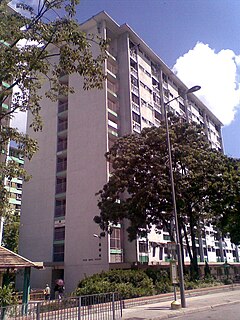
{"x": 227, "y": 312}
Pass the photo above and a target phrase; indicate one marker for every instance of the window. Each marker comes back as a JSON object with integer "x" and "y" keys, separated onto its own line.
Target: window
{"x": 58, "y": 252}
{"x": 160, "y": 253}
{"x": 182, "y": 107}
{"x": 156, "y": 98}
{"x": 61, "y": 144}
{"x": 133, "y": 64}
{"x": 143, "y": 246}
{"x": 164, "y": 77}
{"x": 134, "y": 81}
{"x": 115, "y": 239}
{"x": 61, "y": 164}
{"x": 131, "y": 44}
{"x": 136, "y": 117}
{"x": 115, "y": 257}
{"x": 112, "y": 106}
{"x": 62, "y": 125}
{"x": 60, "y": 208}
{"x": 135, "y": 99}
{"x": 154, "y": 251}
{"x": 157, "y": 115}
{"x": 61, "y": 185}
{"x": 59, "y": 234}
{"x": 166, "y": 237}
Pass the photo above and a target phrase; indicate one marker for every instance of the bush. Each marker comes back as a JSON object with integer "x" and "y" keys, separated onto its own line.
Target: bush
{"x": 158, "y": 275}
{"x": 129, "y": 283}
{"x": 189, "y": 285}
{"x": 163, "y": 287}
{"x": 227, "y": 281}
{"x": 7, "y": 297}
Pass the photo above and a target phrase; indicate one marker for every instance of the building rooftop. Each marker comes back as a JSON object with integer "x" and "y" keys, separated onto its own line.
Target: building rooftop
{"x": 9, "y": 259}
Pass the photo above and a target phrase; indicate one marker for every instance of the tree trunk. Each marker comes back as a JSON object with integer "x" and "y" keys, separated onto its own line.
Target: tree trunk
{"x": 181, "y": 247}
{"x": 194, "y": 263}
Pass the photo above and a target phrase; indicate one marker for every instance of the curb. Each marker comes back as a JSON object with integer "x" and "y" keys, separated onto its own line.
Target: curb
{"x": 134, "y": 302}
{"x": 189, "y": 311}
{"x": 182, "y": 312}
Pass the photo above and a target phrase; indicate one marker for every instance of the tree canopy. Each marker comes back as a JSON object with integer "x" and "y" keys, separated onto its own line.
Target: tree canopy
{"x": 139, "y": 186}
{"x": 29, "y": 42}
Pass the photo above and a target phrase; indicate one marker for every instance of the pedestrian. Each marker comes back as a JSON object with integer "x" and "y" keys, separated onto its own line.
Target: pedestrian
{"x": 47, "y": 292}
{"x": 60, "y": 292}
{"x": 56, "y": 291}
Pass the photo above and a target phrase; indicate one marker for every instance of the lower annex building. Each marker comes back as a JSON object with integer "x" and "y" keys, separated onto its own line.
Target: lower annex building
{"x": 59, "y": 202}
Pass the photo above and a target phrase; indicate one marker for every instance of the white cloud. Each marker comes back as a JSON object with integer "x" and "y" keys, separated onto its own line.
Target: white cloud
{"x": 218, "y": 73}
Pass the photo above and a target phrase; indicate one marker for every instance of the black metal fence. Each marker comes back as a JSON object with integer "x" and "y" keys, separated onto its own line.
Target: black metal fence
{"x": 106, "y": 306}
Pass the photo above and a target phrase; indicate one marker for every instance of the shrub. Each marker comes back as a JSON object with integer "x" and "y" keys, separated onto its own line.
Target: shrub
{"x": 189, "y": 285}
{"x": 129, "y": 283}
{"x": 227, "y": 281}
{"x": 163, "y": 287}
{"x": 7, "y": 297}
{"x": 157, "y": 275}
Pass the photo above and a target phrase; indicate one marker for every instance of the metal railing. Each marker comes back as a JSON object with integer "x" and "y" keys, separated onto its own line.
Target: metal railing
{"x": 106, "y": 306}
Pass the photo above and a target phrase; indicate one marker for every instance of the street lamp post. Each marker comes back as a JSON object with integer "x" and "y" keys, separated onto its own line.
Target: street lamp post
{"x": 179, "y": 253}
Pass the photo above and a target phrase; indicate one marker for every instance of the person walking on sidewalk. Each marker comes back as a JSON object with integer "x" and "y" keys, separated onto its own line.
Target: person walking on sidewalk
{"x": 47, "y": 292}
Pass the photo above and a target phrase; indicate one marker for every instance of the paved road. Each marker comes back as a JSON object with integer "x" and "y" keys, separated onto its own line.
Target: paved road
{"x": 230, "y": 312}
{"x": 204, "y": 306}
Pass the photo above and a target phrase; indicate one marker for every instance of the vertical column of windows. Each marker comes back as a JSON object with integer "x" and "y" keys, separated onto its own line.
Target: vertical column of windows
{"x": 135, "y": 101}
{"x": 112, "y": 98}
{"x": 61, "y": 176}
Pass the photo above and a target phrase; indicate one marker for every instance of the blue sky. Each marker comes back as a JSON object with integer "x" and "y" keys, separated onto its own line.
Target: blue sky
{"x": 202, "y": 36}
{"x": 198, "y": 39}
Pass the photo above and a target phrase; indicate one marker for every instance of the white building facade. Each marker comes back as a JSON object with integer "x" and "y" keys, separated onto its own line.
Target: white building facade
{"x": 59, "y": 202}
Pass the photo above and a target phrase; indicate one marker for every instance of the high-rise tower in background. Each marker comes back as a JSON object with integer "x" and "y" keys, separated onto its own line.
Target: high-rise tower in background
{"x": 59, "y": 202}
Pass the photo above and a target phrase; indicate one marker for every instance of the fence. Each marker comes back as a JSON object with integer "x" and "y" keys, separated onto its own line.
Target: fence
{"x": 105, "y": 306}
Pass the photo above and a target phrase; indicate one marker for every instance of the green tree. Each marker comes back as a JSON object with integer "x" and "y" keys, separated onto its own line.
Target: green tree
{"x": 229, "y": 220}
{"x": 11, "y": 232}
{"x": 39, "y": 46}
{"x": 139, "y": 186}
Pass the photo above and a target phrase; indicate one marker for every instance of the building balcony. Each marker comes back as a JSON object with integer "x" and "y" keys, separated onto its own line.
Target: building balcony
{"x": 135, "y": 108}
{"x": 136, "y": 127}
{"x": 133, "y": 55}
{"x": 157, "y": 107}
{"x": 135, "y": 89}
{"x": 155, "y": 89}
{"x": 165, "y": 85}
{"x": 134, "y": 72}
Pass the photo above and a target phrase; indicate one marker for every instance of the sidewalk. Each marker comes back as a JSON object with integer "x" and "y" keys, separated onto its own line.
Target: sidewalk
{"x": 161, "y": 310}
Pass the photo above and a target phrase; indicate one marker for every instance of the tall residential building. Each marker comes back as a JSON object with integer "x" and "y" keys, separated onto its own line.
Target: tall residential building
{"x": 13, "y": 186}
{"x": 59, "y": 202}
{"x": 4, "y": 122}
